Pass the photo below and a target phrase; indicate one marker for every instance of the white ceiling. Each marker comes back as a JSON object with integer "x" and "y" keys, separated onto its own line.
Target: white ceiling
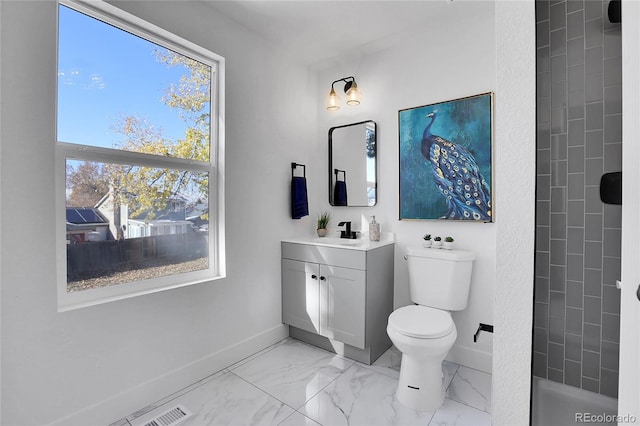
{"x": 319, "y": 30}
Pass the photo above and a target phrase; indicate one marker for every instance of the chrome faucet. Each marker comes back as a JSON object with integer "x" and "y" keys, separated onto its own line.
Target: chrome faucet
{"x": 347, "y": 233}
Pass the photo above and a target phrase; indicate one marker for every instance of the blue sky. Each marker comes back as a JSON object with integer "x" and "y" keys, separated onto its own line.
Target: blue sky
{"x": 106, "y": 74}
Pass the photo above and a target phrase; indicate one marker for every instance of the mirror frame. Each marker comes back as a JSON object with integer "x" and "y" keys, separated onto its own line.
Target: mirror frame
{"x": 330, "y": 176}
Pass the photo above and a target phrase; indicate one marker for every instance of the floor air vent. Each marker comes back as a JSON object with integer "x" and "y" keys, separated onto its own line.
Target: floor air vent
{"x": 169, "y": 417}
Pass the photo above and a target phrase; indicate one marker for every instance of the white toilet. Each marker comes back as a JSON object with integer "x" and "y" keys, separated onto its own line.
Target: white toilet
{"x": 438, "y": 283}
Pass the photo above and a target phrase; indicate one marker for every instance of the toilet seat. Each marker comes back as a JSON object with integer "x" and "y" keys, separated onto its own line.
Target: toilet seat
{"x": 421, "y": 322}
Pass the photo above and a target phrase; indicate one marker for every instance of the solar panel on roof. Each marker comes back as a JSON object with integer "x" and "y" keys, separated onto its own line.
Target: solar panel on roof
{"x": 83, "y": 215}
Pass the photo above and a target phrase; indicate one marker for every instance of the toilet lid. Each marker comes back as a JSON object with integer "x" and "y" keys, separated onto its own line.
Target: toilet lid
{"x": 421, "y": 322}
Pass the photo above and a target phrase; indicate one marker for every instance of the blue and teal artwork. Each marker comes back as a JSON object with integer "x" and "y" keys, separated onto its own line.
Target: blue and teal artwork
{"x": 445, "y": 160}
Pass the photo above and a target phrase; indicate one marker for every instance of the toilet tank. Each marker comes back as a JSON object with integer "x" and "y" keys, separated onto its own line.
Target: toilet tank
{"x": 440, "y": 278}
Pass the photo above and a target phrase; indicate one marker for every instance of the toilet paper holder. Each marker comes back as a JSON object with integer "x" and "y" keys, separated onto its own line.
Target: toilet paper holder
{"x": 482, "y": 327}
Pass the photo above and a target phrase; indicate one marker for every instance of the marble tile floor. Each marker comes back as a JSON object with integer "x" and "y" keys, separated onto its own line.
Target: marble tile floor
{"x": 293, "y": 383}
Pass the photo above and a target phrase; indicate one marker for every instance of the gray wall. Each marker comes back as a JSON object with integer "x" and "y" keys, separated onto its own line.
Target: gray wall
{"x": 579, "y": 116}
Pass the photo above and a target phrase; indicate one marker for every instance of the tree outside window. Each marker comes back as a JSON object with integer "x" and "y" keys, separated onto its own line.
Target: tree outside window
{"x": 138, "y": 142}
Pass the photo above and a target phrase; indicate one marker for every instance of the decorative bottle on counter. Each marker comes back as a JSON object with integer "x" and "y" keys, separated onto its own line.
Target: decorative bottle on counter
{"x": 374, "y": 230}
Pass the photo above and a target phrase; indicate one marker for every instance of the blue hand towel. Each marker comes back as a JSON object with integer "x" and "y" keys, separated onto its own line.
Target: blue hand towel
{"x": 299, "y": 203}
{"x": 340, "y": 193}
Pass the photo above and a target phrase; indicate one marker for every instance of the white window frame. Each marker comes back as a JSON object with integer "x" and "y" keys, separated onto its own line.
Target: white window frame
{"x": 215, "y": 167}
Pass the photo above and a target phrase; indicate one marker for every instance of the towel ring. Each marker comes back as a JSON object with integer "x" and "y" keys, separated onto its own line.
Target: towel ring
{"x": 304, "y": 169}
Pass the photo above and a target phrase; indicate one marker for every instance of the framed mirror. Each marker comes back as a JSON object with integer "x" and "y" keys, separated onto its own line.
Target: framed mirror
{"x": 353, "y": 175}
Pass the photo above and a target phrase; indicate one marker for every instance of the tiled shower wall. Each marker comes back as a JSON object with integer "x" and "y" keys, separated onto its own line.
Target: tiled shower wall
{"x": 578, "y": 238}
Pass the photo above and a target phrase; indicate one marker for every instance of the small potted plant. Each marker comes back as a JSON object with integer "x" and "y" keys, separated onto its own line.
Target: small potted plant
{"x": 426, "y": 241}
{"x": 323, "y": 221}
{"x": 437, "y": 243}
{"x": 448, "y": 243}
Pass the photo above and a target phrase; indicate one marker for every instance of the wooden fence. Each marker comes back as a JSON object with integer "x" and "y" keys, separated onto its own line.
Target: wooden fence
{"x": 92, "y": 259}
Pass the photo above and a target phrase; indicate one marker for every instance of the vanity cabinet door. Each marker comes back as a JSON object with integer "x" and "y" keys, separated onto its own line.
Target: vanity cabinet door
{"x": 301, "y": 295}
{"x": 342, "y": 304}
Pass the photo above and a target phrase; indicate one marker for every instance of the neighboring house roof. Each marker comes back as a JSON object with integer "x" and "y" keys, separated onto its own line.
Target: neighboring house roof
{"x": 85, "y": 215}
{"x": 179, "y": 207}
{"x": 196, "y": 210}
{"x": 174, "y": 210}
{"x": 103, "y": 200}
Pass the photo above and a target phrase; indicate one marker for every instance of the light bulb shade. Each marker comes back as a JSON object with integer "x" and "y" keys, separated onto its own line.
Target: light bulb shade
{"x": 333, "y": 102}
{"x": 353, "y": 95}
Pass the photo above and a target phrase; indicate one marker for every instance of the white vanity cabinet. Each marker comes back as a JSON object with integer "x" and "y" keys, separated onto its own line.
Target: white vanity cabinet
{"x": 338, "y": 298}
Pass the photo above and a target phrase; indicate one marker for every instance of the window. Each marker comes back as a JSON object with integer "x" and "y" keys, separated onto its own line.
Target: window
{"x": 138, "y": 158}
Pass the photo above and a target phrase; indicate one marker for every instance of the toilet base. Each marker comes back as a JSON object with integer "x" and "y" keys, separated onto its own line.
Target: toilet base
{"x": 420, "y": 386}
{"x": 421, "y": 381}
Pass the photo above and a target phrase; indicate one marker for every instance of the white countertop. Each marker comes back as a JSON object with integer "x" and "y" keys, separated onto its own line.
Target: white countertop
{"x": 362, "y": 243}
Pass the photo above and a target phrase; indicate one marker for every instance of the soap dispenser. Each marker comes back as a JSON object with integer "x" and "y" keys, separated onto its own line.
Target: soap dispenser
{"x": 374, "y": 230}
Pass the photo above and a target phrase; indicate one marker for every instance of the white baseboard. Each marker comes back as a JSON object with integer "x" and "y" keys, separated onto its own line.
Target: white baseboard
{"x": 133, "y": 399}
{"x": 471, "y": 358}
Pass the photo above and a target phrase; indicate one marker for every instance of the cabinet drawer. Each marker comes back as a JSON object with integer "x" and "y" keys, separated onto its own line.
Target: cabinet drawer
{"x": 345, "y": 258}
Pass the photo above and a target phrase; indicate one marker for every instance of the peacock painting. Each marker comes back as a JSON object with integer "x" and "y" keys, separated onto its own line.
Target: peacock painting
{"x": 445, "y": 160}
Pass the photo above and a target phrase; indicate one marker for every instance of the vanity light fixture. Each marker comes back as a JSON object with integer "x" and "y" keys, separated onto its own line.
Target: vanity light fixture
{"x": 350, "y": 90}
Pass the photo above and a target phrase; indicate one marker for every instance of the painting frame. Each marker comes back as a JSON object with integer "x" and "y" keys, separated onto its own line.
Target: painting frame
{"x": 446, "y": 160}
